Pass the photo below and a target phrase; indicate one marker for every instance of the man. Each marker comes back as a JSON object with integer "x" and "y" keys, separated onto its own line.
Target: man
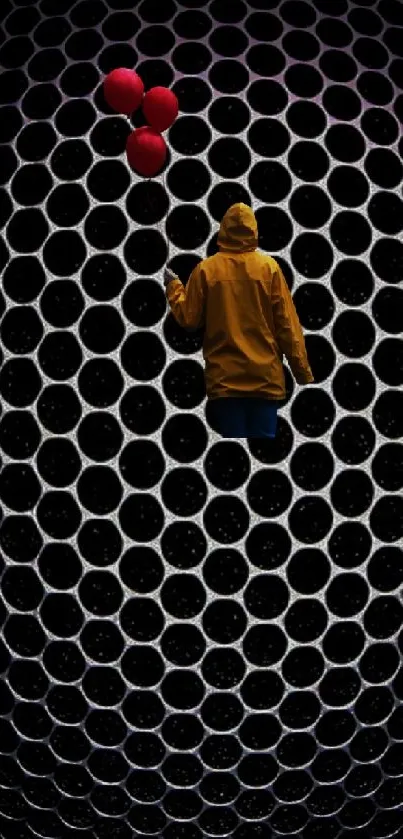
{"x": 241, "y": 298}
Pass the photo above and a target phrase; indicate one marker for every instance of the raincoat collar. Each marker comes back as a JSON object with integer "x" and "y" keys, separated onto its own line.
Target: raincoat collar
{"x": 238, "y": 231}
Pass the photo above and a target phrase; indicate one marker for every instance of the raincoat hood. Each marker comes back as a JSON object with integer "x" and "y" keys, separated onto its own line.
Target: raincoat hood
{"x": 238, "y": 231}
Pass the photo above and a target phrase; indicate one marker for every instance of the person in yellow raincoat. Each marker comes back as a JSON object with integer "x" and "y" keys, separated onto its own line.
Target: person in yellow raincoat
{"x": 242, "y": 300}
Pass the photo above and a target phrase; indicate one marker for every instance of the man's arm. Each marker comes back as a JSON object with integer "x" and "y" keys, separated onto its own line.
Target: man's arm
{"x": 188, "y": 303}
{"x": 289, "y": 334}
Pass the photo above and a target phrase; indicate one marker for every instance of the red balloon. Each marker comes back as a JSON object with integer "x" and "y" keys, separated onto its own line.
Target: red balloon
{"x": 160, "y": 108}
{"x": 146, "y": 151}
{"x": 123, "y": 90}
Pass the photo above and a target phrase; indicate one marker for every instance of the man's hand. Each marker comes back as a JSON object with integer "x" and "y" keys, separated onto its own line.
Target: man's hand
{"x": 168, "y": 276}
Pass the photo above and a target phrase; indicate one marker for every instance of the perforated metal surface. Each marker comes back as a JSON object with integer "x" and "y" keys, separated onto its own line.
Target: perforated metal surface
{"x": 199, "y": 637}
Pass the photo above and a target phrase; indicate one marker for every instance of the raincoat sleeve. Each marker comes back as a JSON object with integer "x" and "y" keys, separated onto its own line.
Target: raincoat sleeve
{"x": 188, "y": 303}
{"x": 288, "y": 330}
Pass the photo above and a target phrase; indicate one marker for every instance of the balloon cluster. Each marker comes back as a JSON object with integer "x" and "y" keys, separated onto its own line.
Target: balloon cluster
{"x": 146, "y": 149}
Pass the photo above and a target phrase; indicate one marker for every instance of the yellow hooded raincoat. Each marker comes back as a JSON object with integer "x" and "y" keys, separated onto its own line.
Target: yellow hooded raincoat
{"x": 242, "y": 299}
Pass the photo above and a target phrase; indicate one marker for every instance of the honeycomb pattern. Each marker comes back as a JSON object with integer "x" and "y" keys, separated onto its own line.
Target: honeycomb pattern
{"x": 200, "y": 638}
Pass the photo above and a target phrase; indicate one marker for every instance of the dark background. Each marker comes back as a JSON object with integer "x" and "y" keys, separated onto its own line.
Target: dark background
{"x": 199, "y": 637}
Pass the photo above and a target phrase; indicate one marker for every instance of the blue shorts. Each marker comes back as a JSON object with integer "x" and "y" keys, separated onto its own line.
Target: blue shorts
{"x": 244, "y": 416}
